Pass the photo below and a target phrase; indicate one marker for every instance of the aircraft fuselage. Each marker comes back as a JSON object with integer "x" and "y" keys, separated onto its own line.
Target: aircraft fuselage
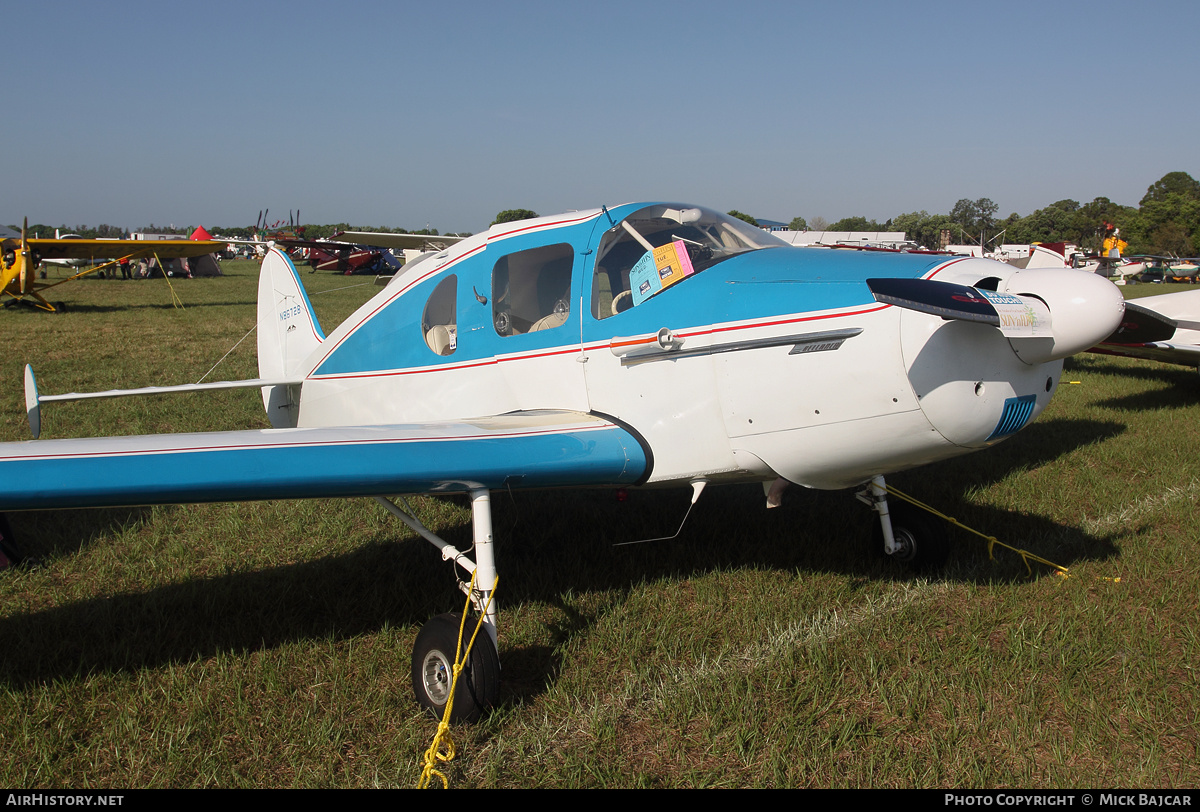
{"x": 770, "y": 361}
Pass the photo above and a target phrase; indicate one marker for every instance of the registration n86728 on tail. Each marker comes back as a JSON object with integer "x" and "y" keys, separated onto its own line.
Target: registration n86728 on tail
{"x": 648, "y": 344}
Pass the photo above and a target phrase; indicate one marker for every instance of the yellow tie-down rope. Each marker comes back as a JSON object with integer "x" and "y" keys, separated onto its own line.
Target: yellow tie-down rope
{"x": 435, "y": 753}
{"x": 175, "y": 300}
{"x": 992, "y": 541}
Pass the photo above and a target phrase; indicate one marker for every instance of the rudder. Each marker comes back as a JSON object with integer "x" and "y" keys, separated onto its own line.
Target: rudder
{"x": 288, "y": 332}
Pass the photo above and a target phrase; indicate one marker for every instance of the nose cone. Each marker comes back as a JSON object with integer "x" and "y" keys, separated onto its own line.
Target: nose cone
{"x": 1084, "y": 308}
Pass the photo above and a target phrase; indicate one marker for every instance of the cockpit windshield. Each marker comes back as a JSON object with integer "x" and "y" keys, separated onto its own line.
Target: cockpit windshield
{"x": 659, "y": 246}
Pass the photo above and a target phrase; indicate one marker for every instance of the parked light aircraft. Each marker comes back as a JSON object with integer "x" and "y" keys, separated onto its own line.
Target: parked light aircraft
{"x": 20, "y": 259}
{"x": 646, "y": 345}
{"x": 366, "y": 251}
{"x": 73, "y": 262}
{"x": 1161, "y": 328}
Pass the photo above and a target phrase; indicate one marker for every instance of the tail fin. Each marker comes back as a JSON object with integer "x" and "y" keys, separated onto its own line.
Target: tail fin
{"x": 288, "y": 332}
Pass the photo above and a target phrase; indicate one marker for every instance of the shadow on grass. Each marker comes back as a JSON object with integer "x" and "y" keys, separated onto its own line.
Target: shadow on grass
{"x": 549, "y": 543}
{"x": 1179, "y": 382}
{"x": 1178, "y": 388}
{"x": 44, "y": 535}
{"x": 118, "y": 306}
{"x": 334, "y": 597}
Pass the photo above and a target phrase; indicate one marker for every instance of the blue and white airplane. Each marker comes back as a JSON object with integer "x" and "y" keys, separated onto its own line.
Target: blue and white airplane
{"x": 644, "y": 345}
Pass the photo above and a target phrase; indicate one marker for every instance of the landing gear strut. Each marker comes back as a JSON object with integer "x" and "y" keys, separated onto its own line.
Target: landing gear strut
{"x": 909, "y": 535}
{"x": 437, "y": 645}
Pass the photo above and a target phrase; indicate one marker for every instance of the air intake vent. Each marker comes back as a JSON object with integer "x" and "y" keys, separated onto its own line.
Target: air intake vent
{"x": 1016, "y": 414}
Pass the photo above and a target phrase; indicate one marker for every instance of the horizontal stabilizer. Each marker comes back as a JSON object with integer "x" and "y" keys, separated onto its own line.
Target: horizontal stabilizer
{"x": 34, "y": 400}
{"x": 252, "y": 383}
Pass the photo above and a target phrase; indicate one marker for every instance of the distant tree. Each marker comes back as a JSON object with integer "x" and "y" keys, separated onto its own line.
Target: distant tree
{"x": 105, "y": 230}
{"x": 741, "y": 215}
{"x": 1173, "y": 199}
{"x": 513, "y": 215}
{"x": 819, "y": 224}
{"x": 316, "y": 232}
{"x": 1057, "y": 222}
{"x": 153, "y": 229}
{"x": 1091, "y": 217}
{"x": 923, "y": 228}
{"x": 798, "y": 224}
{"x": 855, "y": 224}
{"x": 1170, "y": 240}
{"x": 975, "y": 217}
{"x": 1172, "y": 183}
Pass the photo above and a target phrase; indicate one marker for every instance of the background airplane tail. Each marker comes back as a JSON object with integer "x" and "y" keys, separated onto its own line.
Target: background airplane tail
{"x": 288, "y": 332}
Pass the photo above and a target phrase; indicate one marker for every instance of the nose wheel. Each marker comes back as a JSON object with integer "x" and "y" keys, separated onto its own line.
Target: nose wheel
{"x": 921, "y": 543}
{"x": 906, "y": 534}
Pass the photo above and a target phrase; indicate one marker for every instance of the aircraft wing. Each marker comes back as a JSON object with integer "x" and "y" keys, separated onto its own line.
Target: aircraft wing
{"x": 1158, "y": 328}
{"x": 1187, "y": 355}
{"x": 384, "y": 239}
{"x": 113, "y": 249}
{"x": 519, "y": 450}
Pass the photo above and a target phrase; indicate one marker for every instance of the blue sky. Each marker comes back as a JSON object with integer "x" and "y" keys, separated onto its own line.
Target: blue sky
{"x": 442, "y": 114}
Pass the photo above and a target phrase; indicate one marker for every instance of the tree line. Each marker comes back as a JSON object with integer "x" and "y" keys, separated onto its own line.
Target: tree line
{"x": 1166, "y": 222}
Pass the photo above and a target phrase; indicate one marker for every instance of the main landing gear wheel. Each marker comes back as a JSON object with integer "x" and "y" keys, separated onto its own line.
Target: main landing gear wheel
{"x": 433, "y": 669}
{"x": 922, "y": 541}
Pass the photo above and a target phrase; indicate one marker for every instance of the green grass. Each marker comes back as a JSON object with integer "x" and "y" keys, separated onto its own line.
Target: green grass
{"x": 267, "y": 644}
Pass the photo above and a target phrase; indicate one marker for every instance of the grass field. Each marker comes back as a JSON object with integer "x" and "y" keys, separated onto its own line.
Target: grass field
{"x": 268, "y": 644}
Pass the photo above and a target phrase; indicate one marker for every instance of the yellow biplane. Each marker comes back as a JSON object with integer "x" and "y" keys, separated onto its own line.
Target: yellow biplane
{"x": 20, "y": 259}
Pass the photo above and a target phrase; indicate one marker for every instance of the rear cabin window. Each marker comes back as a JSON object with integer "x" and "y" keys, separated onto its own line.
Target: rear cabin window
{"x": 531, "y": 290}
{"x": 439, "y": 322}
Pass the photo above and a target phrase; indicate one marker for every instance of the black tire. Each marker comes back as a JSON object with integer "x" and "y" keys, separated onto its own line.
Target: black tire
{"x": 60, "y": 307}
{"x": 921, "y": 536}
{"x": 8, "y": 544}
{"x": 433, "y": 669}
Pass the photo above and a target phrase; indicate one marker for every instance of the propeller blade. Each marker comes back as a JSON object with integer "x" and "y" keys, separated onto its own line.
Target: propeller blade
{"x": 1016, "y": 316}
{"x": 945, "y": 299}
{"x": 26, "y": 271}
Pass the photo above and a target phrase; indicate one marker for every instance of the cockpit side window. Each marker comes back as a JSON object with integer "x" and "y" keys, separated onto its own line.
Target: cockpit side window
{"x": 531, "y": 290}
{"x": 439, "y": 323}
{"x": 659, "y": 246}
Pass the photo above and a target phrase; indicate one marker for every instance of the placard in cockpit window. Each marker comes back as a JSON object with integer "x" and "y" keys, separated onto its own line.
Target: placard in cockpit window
{"x": 658, "y": 269}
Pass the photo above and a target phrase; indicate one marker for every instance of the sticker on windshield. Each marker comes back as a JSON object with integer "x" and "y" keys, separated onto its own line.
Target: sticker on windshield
{"x": 658, "y": 269}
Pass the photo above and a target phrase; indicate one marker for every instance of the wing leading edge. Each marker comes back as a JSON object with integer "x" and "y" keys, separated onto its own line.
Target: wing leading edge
{"x": 521, "y": 450}
{"x": 88, "y": 249}
{"x": 1159, "y": 328}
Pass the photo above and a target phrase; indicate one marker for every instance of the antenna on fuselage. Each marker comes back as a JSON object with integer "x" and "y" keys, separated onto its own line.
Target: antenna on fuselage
{"x": 697, "y": 489}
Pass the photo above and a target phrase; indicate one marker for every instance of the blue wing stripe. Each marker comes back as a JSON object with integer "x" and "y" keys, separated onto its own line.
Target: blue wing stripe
{"x": 304, "y": 463}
